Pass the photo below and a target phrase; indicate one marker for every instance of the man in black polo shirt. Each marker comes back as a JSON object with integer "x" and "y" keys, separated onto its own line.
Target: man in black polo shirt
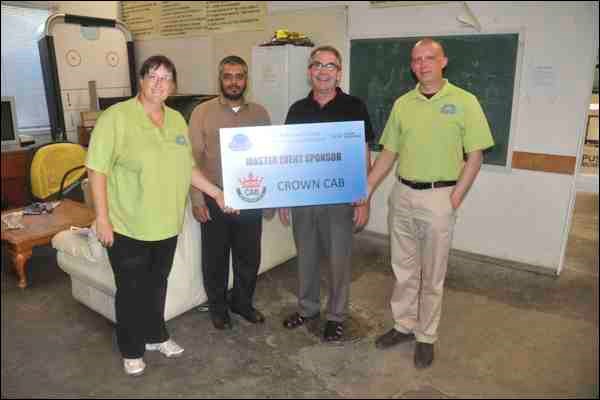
{"x": 328, "y": 227}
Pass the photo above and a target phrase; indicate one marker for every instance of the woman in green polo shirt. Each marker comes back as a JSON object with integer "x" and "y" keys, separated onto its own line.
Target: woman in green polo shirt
{"x": 140, "y": 167}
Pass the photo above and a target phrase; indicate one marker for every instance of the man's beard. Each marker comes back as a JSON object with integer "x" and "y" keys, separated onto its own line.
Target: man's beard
{"x": 233, "y": 97}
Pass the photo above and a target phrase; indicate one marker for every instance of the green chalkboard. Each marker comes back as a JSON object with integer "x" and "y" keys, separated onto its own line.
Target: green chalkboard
{"x": 485, "y": 65}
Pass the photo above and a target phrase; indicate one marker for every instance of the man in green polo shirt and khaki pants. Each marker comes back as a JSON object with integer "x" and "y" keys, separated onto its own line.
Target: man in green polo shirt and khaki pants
{"x": 429, "y": 130}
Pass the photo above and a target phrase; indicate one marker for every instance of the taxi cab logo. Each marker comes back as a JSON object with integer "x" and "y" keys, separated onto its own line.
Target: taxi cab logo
{"x": 240, "y": 142}
{"x": 180, "y": 139}
{"x": 251, "y": 188}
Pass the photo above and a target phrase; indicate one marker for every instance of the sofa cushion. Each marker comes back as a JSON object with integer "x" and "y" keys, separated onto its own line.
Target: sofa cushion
{"x": 80, "y": 243}
{"x": 98, "y": 275}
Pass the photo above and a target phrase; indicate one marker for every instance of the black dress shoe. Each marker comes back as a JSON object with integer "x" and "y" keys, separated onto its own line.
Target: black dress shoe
{"x": 423, "y": 355}
{"x": 220, "y": 321}
{"x": 334, "y": 332}
{"x": 250, "y": 315}
{"x": 392, "y": 338}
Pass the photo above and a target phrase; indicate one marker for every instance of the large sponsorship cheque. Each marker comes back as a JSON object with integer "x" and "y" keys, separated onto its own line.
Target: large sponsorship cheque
{"x": 293, "y": 165}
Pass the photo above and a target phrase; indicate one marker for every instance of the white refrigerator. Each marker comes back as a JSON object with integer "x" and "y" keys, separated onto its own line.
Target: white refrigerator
{"x": 279, "y": 78}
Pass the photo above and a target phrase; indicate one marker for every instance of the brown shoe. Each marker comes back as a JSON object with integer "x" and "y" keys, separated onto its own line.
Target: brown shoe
{"x": 392, "y": 338}
{"x": 220, "y": 321}
{"x": 423, "y": 355}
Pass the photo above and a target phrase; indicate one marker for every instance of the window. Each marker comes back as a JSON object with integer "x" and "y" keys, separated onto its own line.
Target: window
{"x": 21, "y": 69}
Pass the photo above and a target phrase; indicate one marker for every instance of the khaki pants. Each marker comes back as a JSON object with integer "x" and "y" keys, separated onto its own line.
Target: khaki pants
{"x": 421, "y": 224}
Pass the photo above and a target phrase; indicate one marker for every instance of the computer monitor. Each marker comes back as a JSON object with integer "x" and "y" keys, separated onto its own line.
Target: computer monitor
{"x": 9, "y": 120}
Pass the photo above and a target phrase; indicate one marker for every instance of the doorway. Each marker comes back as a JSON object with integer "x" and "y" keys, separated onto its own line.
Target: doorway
{"x": 587, "y": 170}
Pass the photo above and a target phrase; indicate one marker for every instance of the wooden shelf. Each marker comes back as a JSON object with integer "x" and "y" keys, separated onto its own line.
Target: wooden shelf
{"x": 16, "y": 162}
{"x": 84, "y": 135}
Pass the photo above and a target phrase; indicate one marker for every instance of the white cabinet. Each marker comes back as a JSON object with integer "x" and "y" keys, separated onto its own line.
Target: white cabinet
{"x": 77, "y": 100}
{"x": 79, "y": 60}
{"x": 74, "y": 51}
{"x": 279, "y": 78}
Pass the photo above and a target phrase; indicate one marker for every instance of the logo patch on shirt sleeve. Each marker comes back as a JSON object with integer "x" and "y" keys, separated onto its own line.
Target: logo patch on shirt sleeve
{"x": 180, "y": 139}
{"x": 448, "y": 109}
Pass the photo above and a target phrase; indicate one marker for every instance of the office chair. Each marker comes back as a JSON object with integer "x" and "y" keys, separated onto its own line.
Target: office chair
{"x": 56, "y": 169}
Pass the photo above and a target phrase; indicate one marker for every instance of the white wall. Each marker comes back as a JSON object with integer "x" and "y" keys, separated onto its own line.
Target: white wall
{"x": 513, "y": 214}
{"x": 323, "y": 26}
{"x": 193, "y": 57}
{"x": 196, "y": 58}
{"x": 99, "y": 9}
{"x": 510, "y": 214}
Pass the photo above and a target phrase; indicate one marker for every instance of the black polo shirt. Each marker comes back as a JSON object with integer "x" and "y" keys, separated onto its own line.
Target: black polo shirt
{"x": 343, "y": 107}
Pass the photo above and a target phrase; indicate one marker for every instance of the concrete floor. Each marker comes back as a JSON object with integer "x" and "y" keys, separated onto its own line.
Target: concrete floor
{"x": 504, "y": 333}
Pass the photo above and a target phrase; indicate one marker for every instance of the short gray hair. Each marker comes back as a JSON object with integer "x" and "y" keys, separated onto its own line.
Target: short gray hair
{"x": 328, "y": 49}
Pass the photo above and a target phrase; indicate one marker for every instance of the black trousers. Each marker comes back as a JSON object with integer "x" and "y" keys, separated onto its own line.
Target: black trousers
{"x": 239, "y": 235}
{"x": 141, "y": 270}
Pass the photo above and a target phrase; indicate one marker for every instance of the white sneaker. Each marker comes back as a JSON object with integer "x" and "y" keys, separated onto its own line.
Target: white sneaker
{"x": 168, "y": 348}
{"x": 134, "y": 366}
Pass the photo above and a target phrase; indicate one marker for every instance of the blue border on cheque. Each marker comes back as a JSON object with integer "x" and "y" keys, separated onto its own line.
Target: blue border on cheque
{"x": 294, "y": 165}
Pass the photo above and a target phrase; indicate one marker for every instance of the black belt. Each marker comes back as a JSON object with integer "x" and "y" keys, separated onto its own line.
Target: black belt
{"x": 426, "y": 185}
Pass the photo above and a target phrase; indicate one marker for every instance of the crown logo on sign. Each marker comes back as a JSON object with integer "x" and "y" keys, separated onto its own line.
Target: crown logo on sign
{"x": 251, "y": 181}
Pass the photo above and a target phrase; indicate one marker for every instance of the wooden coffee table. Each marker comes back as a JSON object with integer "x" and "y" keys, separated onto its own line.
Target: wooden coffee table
{"x": 39, "y": 230}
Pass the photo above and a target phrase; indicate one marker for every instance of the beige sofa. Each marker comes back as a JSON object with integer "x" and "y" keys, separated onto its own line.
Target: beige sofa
{"x": 92, "y": 279}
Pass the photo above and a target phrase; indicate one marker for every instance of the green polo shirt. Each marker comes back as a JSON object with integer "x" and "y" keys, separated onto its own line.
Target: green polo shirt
{"x": 431, "y": 135}
{"x": 148, "y": 169}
